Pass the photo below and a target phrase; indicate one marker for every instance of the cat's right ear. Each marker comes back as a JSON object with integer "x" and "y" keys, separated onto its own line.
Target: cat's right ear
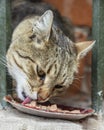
{"x": 83, "y": 48}
{"x": 42, "y": 27}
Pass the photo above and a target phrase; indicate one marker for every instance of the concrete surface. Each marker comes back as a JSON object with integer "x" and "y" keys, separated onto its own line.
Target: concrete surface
{"x": 12, "y": 119}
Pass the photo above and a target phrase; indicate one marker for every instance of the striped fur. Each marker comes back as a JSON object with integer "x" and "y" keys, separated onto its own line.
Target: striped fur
{"x": 42, "y": 59}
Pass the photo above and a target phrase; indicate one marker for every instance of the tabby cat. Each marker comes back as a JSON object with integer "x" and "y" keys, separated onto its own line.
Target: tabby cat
{"x": 42, "y": 59}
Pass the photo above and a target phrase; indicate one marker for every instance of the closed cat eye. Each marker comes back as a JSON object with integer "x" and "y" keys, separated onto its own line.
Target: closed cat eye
{"x": 40, "y": 73}
{"x": 58, "y": 86}
{"x": 32, "y": 36}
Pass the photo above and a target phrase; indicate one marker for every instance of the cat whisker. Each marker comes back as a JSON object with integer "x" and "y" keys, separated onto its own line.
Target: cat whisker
{"x": 6, "y": 70}
{"x": 3, "y": 63}
{"x": 78, "y": 78}
{"x": 3, "y": 58}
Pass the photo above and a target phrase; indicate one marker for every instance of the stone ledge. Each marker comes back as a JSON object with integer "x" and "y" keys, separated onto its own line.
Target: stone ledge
{"x": 12, "y": 119}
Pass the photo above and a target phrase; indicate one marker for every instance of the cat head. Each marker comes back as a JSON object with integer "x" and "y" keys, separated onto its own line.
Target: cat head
{"x": 42, "y": 59}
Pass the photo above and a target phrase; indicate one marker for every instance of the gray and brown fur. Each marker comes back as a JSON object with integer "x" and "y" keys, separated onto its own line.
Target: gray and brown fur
{"x": 42, "y": 59}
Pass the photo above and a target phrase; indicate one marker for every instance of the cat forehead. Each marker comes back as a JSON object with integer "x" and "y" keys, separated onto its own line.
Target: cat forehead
{"x": 29, "y": 21}
{"x": 25, "y": 26}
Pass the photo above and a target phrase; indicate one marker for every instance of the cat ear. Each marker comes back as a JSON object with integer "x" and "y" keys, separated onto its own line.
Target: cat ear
{"x": 43, "y": 26}
{"x": 83, "y": 48}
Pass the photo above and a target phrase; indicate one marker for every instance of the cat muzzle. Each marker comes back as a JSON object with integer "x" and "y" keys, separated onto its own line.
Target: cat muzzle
{"x": 43, "y": 94}
{"x": 41, "y": 99}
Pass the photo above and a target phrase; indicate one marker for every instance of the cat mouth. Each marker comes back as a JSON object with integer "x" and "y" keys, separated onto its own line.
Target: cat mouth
{"x": 41, "y": 100}
{"x": 28, "y": 99}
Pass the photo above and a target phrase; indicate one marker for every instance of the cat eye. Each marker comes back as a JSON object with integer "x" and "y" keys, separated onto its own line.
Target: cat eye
{"x": 40, "y": 73}
{"x": 58, "y": 86}
{"x": 32, "y": 36}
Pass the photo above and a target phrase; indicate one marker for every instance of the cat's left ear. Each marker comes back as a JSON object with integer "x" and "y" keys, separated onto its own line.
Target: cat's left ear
{"x": 83, "y": 48}
{"x": 42, "y": 27}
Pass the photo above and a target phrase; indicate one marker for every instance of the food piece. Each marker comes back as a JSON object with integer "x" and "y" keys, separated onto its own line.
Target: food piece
{"x": 33, "y": 103}
{"x": 53, "y": 107}
{"x": 86, "y": 111}
{"x": 66, "y": 111}
{"x": 44, "y": 107}
{"x": 28, "y": 105}
{"x": 8, "y": 97}
{"x": 47, "y": 106}
{"x": 75, "y": 111}
{"x": 59, "y": 110}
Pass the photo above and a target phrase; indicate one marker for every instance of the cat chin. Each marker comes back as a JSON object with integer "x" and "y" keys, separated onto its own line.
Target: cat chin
{"x": 33, "y": 96}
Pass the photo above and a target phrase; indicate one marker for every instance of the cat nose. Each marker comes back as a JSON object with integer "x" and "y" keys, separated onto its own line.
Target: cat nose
{"x": 43, "y": 95}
